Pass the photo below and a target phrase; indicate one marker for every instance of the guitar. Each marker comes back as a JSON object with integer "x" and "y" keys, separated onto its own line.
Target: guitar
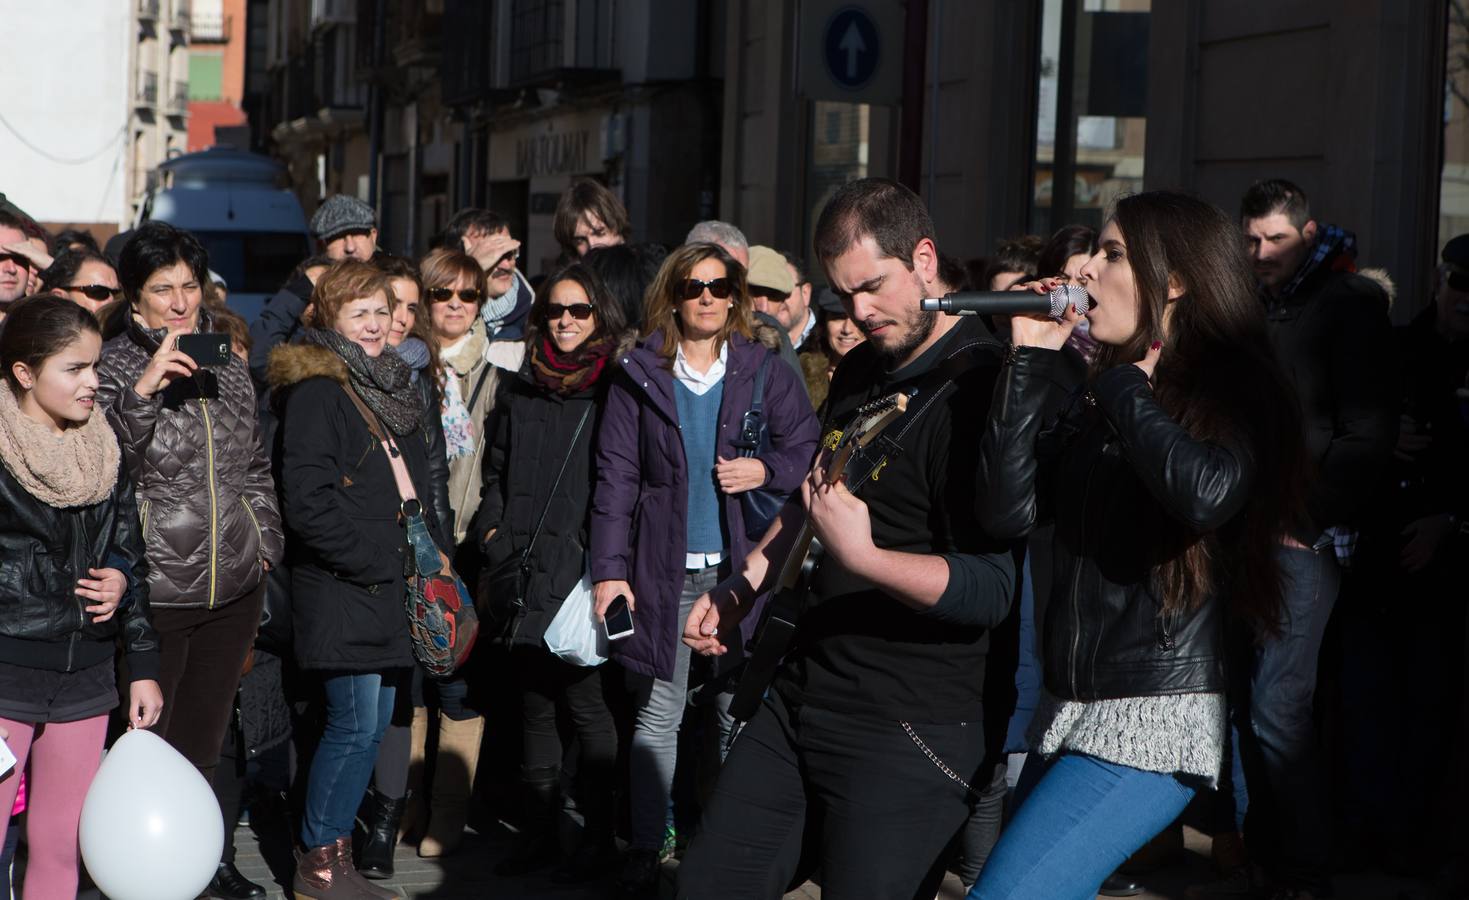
{"x": 778, "y": 628}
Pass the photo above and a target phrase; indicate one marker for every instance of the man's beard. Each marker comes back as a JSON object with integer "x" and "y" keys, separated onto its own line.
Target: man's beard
{"x": 919, "y": 325}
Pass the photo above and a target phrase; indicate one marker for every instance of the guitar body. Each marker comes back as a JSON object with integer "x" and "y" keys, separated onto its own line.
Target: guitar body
{"x": 773, "y": 639}
{"x": 777, "y": 629}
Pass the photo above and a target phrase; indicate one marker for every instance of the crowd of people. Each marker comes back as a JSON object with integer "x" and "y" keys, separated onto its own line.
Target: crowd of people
{"x": 1141, "y": 564}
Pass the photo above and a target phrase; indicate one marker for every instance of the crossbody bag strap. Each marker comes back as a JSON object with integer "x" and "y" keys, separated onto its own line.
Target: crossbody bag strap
{"x": 479, "y": 385}
{"x": 557, "y": 483}
{"x": 390, "y": 447}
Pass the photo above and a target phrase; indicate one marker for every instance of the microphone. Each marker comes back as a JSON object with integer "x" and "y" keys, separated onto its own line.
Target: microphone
{"x": 1009, "y": 303}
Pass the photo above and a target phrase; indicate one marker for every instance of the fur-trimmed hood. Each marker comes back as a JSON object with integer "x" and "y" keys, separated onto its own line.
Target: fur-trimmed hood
{"x": 1384, "y": 281}
{"x": 291, "y": 364}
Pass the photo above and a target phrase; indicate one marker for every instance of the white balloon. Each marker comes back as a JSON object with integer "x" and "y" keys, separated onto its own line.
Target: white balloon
{"x": 151, "y": 828}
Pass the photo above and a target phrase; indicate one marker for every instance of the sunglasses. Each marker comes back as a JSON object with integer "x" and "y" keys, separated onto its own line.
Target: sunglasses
{"x": 1457, "y": 280}
{"x": 23, "y": 261}
{"x": 443, "y": 294}
{"x": 579, "y": 311}
{"x": 693, "y": 289}
{"x": 96, "y": 291}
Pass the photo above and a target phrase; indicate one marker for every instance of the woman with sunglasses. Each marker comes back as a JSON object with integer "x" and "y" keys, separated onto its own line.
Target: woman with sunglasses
{"x": 84, "y": 277}
{"x": 666, "y": 524}
{"x": 453, "y": 289}
{"x": 546, "y": 416}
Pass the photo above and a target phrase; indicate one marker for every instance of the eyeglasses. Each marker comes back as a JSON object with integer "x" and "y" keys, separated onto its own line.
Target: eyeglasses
{"x": 693, "y": 288}
{"x": 579, "y": 311}
{"x": 443, "y": 294}
{"x": 96, "y": 291}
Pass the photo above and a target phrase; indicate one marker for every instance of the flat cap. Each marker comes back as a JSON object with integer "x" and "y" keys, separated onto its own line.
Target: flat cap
{"x": 340, "y": 214}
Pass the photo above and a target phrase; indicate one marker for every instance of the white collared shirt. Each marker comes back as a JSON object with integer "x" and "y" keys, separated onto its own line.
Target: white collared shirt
{"x": 810, "y": 326}
{"x": 700, "y": 384}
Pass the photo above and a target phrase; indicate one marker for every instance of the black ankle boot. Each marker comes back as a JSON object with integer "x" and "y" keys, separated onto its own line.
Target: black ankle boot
{"x": 1119, "y": 885}
{"x": 380, "y": 838}
{"x": 229, "y": 884}
{"x": 536, "y": 848}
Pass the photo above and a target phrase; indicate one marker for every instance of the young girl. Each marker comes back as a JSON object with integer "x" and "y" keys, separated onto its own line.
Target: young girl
{"x": 68, "y": 522}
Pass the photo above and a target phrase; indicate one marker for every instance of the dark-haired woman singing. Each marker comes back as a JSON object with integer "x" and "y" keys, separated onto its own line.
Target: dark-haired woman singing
{"x": 1169, "y": 480}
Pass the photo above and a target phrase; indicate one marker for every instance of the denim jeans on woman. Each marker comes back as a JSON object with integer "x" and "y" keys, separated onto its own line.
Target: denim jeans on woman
{"x": 659, "y": 709}
{"x": 1081, "y": 821}
{"x": 359, "y": 706}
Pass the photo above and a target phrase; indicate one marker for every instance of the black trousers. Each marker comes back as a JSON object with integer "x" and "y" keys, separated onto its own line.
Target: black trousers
{"x": 806, "y": 788}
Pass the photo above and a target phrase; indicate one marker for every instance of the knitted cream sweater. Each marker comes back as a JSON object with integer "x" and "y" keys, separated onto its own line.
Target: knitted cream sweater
{"x": 1182, "y": 733}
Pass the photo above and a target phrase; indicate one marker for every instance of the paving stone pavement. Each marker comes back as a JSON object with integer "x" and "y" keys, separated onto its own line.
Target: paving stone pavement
{"x": 468, "y": 874}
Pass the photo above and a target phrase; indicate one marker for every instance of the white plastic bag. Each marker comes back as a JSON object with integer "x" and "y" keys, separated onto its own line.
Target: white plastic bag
{"x": 574, "y": 634}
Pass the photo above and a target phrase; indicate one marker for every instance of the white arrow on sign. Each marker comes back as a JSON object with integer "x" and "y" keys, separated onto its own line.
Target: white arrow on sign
{"x": 852, "y": 43}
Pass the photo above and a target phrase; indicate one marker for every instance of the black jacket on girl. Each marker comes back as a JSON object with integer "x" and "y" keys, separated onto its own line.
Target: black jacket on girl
{"x": 1129, "y": 489}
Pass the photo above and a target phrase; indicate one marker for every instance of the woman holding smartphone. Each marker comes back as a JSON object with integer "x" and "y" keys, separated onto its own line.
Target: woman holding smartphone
{"x": 538, "y": 471}
{"x": 667, "y": 522}
{"x": 1169, "y": 481}
{"x": 191, "y": 441}
{"x": 68, "y": 529}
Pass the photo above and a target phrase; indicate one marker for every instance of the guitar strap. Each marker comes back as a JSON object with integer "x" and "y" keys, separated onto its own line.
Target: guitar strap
{"x": 867, "y": 463}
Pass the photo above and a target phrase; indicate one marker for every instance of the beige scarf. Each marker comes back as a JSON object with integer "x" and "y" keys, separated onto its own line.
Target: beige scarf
{"x": 77, "y": 468}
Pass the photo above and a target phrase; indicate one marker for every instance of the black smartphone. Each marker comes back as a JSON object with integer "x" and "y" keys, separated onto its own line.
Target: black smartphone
{"x": 209, "y": 350}
{"x": 618, "y": 620}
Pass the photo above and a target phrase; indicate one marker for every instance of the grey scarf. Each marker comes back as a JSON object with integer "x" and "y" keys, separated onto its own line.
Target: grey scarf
{"x": 384, "y": 382}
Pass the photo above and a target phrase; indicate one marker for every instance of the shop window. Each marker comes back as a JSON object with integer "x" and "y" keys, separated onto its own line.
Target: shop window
{"x": 841, "y": 147}
{"x": 1091, "y": 110}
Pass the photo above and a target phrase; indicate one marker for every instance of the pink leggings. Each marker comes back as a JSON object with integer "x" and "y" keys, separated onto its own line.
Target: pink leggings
{"x": 63, "y": 758}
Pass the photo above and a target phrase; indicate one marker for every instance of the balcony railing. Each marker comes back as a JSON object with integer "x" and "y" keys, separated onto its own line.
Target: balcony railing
{"x": 180, "y": 21}
{"x": 207, "y": 29}
{"x": 146, "y": 93}
{"x": 178, "y": 98}
{"x": 148, "y": 10}
{"x": 332, "y": 12}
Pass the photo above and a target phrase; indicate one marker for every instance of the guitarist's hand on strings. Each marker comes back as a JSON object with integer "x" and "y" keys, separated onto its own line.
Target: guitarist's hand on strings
{"x": 840, "y": 521}
{"x": 604, "y": 592}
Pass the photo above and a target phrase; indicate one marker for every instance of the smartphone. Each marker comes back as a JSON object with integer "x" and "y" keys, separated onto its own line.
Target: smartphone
{"x": 618, "y": 620}
{"x": 209, "y": 350}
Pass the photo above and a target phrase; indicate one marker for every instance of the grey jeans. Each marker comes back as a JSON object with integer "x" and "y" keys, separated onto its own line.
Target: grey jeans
{"x": 659, "y": 709}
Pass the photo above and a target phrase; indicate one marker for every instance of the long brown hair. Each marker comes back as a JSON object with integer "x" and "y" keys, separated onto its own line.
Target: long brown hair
{"x": 664, "y": 297}
{"x": 1217, "y": 377}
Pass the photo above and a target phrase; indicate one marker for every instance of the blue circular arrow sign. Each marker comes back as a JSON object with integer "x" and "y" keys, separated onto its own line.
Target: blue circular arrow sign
{"x": 851, "y": 47}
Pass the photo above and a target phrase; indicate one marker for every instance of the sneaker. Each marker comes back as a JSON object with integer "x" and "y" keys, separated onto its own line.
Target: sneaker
{"x": 641, "y": 868}
{"x": 670, "y": 845}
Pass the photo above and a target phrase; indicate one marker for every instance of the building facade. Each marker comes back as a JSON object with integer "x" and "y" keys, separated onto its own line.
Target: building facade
{"x": 217, "y": 32}
{"x": 1008, "y": 116}
{"x": 78, "y": 149}
{"x": 1040, "y": 113}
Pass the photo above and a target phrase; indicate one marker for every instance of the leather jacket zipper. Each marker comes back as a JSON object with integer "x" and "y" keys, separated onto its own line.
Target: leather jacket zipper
{"x": 1076, "y": 583}
{"x": 213, "y": 501}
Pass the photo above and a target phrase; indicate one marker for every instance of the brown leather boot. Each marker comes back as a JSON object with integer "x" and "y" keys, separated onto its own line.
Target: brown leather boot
{"x": 453, "y": 778}
{"x": 365, "y": 889}
{"x": 320, "y": 875}
{"x": 415, "y": 818}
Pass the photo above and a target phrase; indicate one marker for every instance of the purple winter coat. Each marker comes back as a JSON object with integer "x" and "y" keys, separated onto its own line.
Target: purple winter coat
{"x": 640, "y": 504}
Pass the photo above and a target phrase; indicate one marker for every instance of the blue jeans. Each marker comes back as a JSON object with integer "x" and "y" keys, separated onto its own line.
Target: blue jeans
{"x": 358, "y": 709}
{"x": 1081, "y": 821}
{"x": 1279, "y": 783}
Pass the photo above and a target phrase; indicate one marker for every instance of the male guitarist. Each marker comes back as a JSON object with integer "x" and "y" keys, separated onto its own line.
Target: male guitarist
{"x": 863, "y": 746}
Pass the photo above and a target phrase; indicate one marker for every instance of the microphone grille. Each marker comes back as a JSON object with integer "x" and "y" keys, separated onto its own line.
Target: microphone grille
{"x": 1069, "y": 295}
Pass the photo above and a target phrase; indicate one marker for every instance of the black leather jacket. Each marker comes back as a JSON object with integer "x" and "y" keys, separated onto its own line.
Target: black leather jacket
{"x": 43, "y": 551}
{"x": 1128, "y": 489}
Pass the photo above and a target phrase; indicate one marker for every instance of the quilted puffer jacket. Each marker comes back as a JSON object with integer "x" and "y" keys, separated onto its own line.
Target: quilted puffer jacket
{"x": 205, "y": 494}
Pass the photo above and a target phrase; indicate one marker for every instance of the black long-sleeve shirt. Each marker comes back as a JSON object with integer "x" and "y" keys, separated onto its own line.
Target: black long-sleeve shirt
{"x": 861, "y": 651}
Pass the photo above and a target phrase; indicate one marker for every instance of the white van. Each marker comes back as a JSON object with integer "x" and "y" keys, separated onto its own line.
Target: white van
{"x": 239, "y": 207}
